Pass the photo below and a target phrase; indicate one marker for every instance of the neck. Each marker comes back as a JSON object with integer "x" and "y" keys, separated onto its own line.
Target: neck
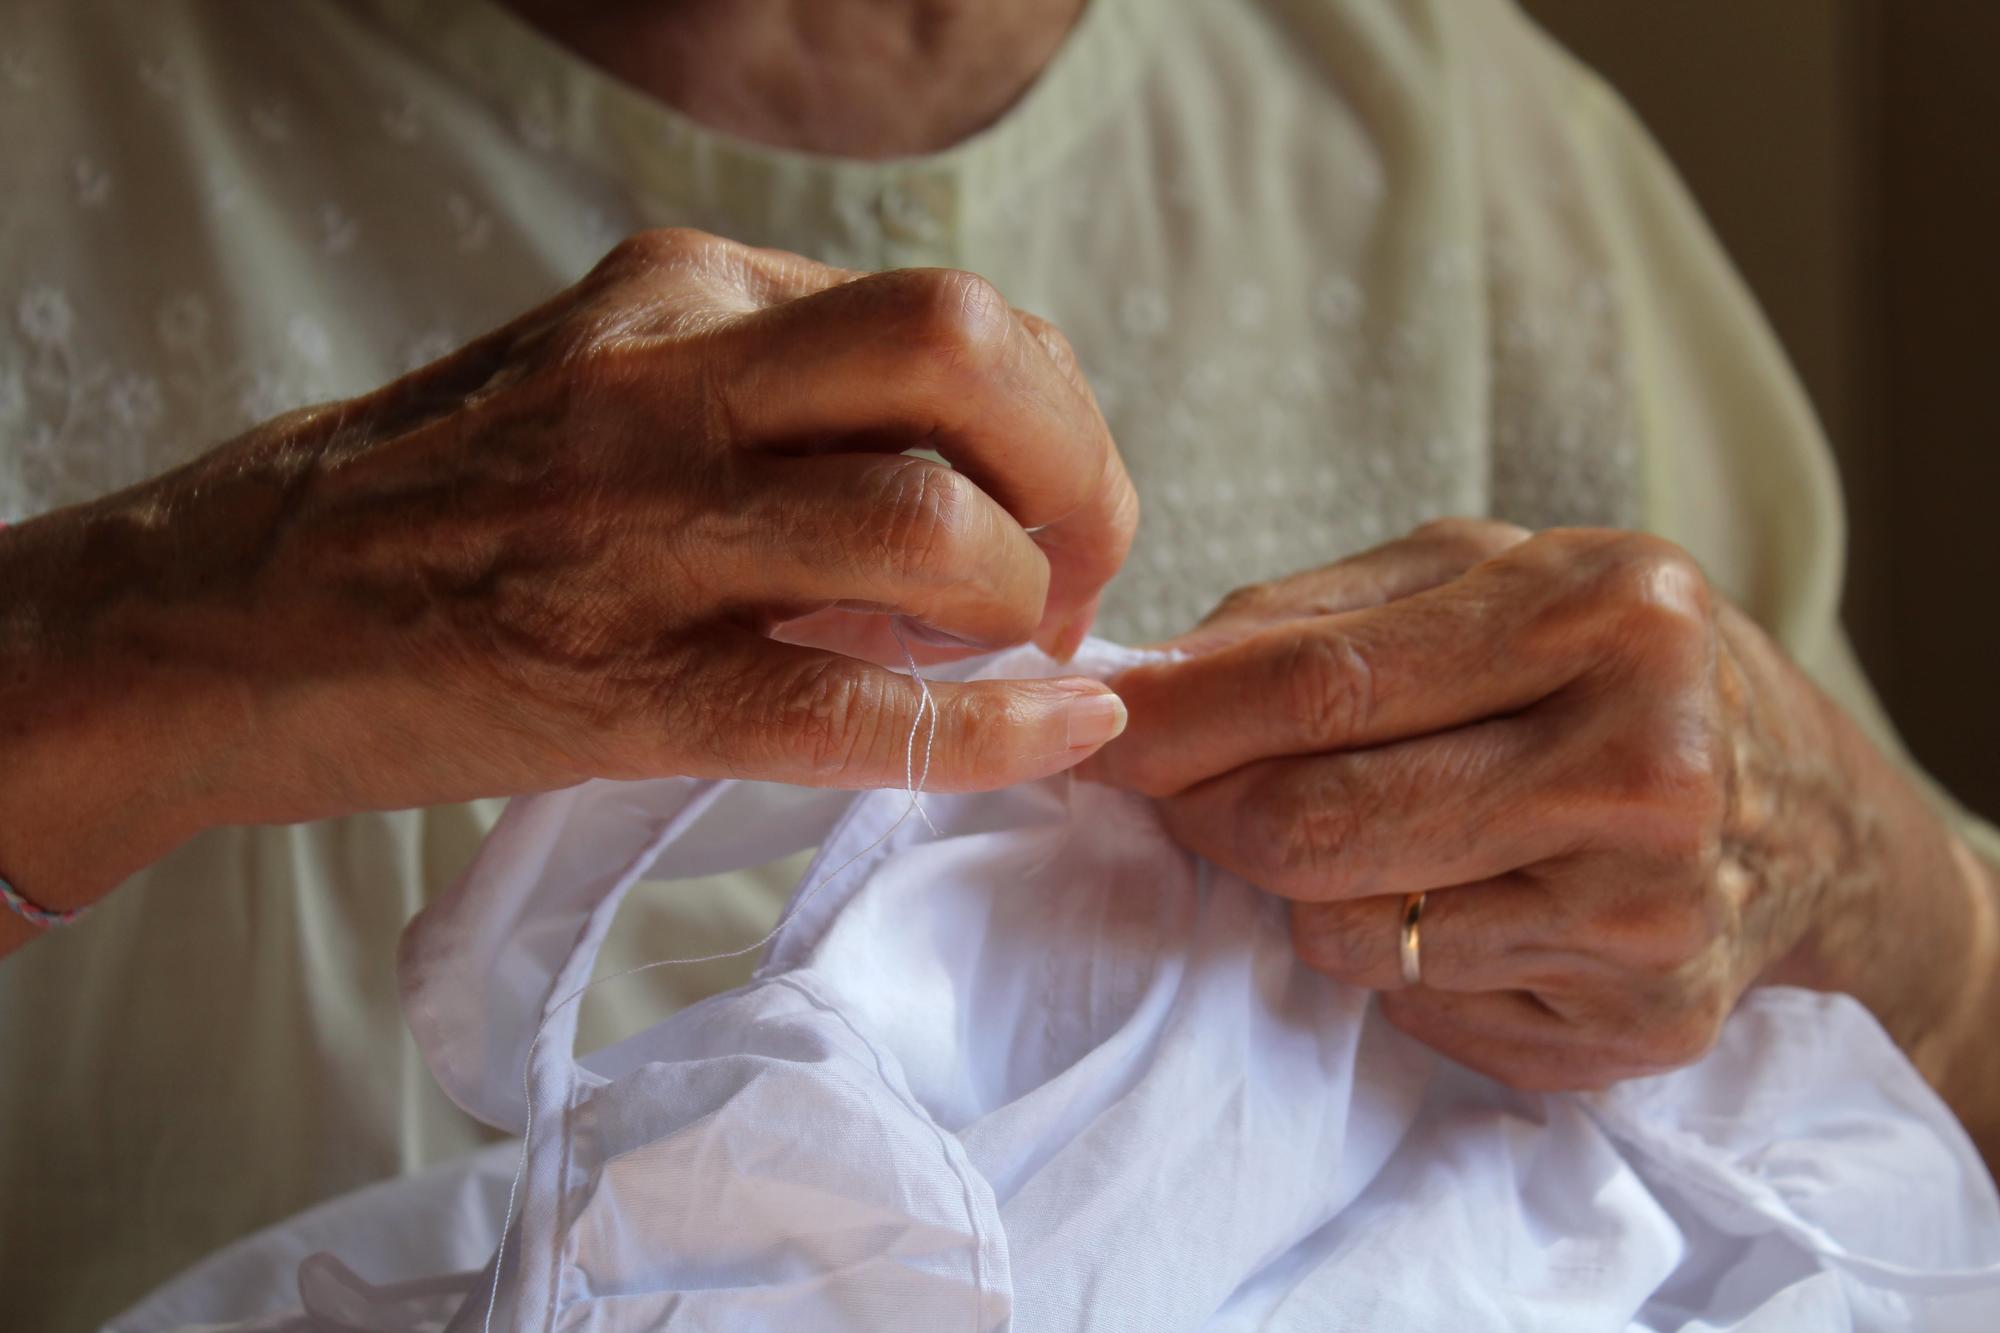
{"x": 853, "y": 78}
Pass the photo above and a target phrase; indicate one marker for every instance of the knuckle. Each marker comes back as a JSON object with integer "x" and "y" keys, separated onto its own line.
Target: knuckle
{"x": 1654, "y": 766}
{"x": 1653, "y": 595}
{"x": 1529, "y": 1069}
{"x": 830, "y": 717}
{"x": 1055, "y": 343}
{"x": 1253, "y": 599}
{"x": 657, "y": 247}
{"x": 1266, "y": 838}
{"x": 1334, "y": 938}
{"x": 923, "y": 522}
{"x": 1326, "y": 688}
{"x": 985, "y": 731}
{"x": 1663, "y": 945}
{"x": 1686, "y": 837}
{"x": 1668, "y": 938}
{"x": 1665, "y": 786}
{"x": 1292, "y": 836}
{"x": 1249, "y": 600}
{"x": 1471, "y": 539}
{"x": 956, "y": 320}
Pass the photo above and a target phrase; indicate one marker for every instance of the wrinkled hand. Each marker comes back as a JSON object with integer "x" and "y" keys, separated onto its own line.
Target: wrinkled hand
{"x": 1555, "y": 736}
{"x": 587, "y": 527}
{"x": 654, "y": 527}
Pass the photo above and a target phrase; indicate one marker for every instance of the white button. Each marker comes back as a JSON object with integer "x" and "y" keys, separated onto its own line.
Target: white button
{"x": 914, "y": 209}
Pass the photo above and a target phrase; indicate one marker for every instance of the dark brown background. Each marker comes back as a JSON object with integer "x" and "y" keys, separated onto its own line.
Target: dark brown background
{"x": 1846, "y": 152}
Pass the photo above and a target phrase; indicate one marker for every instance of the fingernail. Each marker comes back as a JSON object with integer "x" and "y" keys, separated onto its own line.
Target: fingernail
{"x": 1095, "y": 719}
{"x": 1062, "y": 641}
{"x": 1071, "y": 637}
{"x": 938, "y": 638}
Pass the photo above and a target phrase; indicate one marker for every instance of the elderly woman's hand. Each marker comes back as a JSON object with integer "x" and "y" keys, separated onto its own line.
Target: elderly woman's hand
{"x": 1623, "y": 805}
{"x": 650, "y": 528}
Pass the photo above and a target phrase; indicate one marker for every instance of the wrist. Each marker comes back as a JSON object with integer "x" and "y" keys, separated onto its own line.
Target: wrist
{"x": 119, "y": 624}
{"x": 98, "y": 729}
{"x": 1884, "y": 908}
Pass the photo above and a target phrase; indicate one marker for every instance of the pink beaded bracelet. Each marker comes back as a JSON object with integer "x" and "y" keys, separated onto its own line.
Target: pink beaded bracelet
{"x": 35, "y": 912}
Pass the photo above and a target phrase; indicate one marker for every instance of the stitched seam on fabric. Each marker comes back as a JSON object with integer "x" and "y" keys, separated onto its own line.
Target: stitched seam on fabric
{"x": 944, "y": 1146}
{"x": 857, "y": 865}
{"x": 561, "y": 1247}
{"x": 691, "y": 813}
{"x": 695, "y": 807}
{"x": 1695, "y": 1172}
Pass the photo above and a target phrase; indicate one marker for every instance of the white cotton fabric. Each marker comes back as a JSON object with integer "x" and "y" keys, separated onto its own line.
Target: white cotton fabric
{"x": 1039, "y": 1069}
{"x": 1332, "y": 267}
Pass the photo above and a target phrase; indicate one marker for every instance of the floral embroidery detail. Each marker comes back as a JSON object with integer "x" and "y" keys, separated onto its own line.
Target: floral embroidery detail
{"x": 1143, "y": 313}
{"x": 599, "y": 232}
{"x": 1336, "y": 425}
{"x": 222, "y": 191}
{"x": 93, "y": 183}
{"x": 263, "y": 396}
{"x": 1337, "y": 301}
{"x": 1248, "y": 306}
{"x": 1205, "y": 383}
{"x": 308, "y": 340}
{"x": 45, "y": 316}
{"x": 1182, "y": 422}
{"x": 535, "y": 121}
{"x": 473, "y": 227}
{"x": 13, "y": 397}
{"x": 337, "y": 230}
{"x": 1407, "y": 349}
{"x": 426, "y": 348}
{"x": 181, "y": 322}
{"x": 1301, "y": 377}
{"x": 79, "y": 426}
{"x": 402, "y": 122}
{"x": 135, "y": 402}
{"x": 55, "y": 377}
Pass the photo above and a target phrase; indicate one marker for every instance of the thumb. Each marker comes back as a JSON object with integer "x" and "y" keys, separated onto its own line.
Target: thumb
{"x": 819, "y": 719}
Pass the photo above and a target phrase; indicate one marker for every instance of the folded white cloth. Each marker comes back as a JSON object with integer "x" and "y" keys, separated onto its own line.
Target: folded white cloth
{"x": 1039, "y": 1069}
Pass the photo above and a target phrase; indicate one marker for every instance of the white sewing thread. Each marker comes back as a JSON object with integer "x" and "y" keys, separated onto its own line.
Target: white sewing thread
{"x": 913, "y": 779}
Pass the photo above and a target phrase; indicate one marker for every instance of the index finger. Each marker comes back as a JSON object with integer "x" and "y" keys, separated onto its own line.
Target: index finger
{"x": 937, "y": 359}
{"x": 1427, "y": 663}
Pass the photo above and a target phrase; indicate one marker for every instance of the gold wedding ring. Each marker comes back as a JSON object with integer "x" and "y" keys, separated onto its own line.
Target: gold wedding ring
{"x": 1412, "y": 942}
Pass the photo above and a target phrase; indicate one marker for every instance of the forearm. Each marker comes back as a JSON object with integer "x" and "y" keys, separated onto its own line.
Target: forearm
{"x": 122, "y": 623}
{"x": 1900, "y": 913}
{"x": 1964, "y": 1059}
{"x": 560, "y": 553}
{"x": 1918, "y": 941}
